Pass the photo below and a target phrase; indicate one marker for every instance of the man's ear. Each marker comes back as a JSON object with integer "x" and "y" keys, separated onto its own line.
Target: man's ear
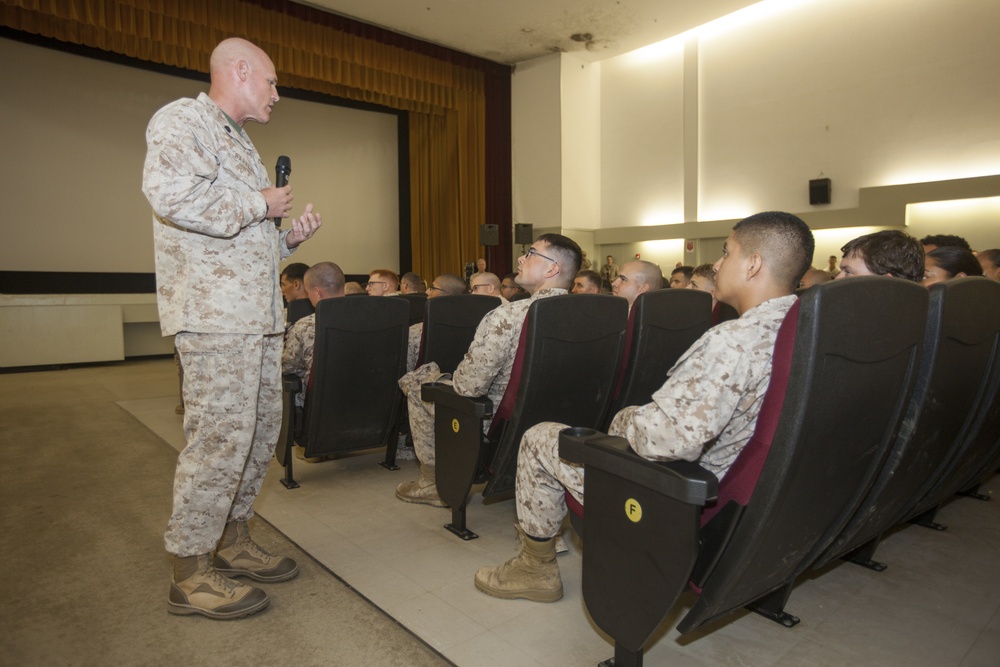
{"x": 754, "y": 264}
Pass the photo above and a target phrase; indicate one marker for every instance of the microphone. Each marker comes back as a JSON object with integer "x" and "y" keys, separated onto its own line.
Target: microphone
{"x": 282, "y": 171}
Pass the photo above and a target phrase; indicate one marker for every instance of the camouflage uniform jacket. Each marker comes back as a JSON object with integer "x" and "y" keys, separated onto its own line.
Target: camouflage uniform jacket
{"x": 485, "y": 369}
{"x": 707, "y": 409}
{"x": 297, "y": 356}
{"x": 414, "y": 337}
{"x": 216, "y": 254}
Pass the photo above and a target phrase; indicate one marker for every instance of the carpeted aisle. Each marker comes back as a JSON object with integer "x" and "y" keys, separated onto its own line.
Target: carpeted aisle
{"x": 85, "y": 494}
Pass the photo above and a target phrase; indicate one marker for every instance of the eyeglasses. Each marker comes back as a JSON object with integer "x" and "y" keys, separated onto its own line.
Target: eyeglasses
{"x": 435, "y": 288}
{"x": 370, "y": 283}
{"x": 475, "y": 287}
{"x": 532, "y": 251}
{"x": 503, "y": 287}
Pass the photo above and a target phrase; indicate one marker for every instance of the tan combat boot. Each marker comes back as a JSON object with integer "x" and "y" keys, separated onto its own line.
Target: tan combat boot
{"x": 422, "y": 490}
{"x": 198, "y": 588}
{"x": 533, "y": 574}
{"x": 239, "y": 556}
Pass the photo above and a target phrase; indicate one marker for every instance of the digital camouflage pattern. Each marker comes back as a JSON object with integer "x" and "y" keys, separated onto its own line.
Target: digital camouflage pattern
{"x": 297, "y": 356}
{"x": 706, "y": 411}
{"x": 231, "y": 426}
{"x": 216, "y": 254}
{"x": 217, "y": 273}
{"x": 413, "y": 345}
{"x": 484, "y": 371}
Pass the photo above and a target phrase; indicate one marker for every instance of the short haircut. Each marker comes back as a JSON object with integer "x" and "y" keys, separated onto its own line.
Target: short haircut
{"x": 389, "y": 276}
{"x": 451, "y": 284}
{"x": 649, "y": 273}
{"x": 956, "y": 260}
{"x": 686, "y": 270}
{"x": 412, "y": 280}
{"x": 487, "y": 278}
{"x": 992, "y": 256}
{"x": 327, "y": 276}
{"x": 567, "y": 254}
{"x": 942, "y": 240}
{"x": 891, "y": 252}
{"x": 295, "y": 271}
{"x": 784, "y": 242}
{"x": 509, "y": 276}
{"x": 704, "y": 270}
{"x": 592, "y": 277}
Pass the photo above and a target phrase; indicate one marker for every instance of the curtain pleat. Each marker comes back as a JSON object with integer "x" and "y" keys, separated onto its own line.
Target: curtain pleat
{"x": 319, "y": 52}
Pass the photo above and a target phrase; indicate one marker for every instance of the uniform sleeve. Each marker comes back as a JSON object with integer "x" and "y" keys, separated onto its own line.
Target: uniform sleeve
{"x": 692, "y": 407}
{"x": 297, "y": 355}
{"x": 413, "y": 346}
{"x": 486, "y": 356}
{"x": 183, "y": 182}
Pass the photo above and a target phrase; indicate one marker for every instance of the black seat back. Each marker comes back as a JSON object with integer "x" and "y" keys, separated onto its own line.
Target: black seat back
{"x": 943, "y": 417}
{"x": 450, "y": 325}
{"x": 975, "y": 329}
{"x": 852, "y": 370}
{"x": 416, "y": 302}
{"x": 296, "y": 309}
{"x": 663, "y": 324}
{"x": 565, "y": 370}
{"x": 360, "y": 353}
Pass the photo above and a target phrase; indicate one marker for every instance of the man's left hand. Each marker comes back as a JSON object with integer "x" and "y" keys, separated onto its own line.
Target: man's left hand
{"x": 303, "y": 227}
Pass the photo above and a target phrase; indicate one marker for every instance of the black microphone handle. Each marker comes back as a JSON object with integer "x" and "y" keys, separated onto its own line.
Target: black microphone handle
{"x": 282, "y": 170}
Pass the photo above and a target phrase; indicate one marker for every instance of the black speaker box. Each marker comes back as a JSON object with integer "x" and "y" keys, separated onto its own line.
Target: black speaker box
{"x": 489, "y": 235}
{"x": 523, "y": 235}
{"x": 819, "y": 191}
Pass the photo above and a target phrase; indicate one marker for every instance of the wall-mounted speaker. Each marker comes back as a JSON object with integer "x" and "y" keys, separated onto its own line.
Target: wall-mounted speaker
{"x": 489, "y": 235}
{"x": 819, "y": 191}
{"x": 523, "y": 234}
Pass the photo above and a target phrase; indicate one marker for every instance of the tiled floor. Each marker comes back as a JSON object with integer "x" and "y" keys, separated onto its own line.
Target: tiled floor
{"x": 937, "y": 605}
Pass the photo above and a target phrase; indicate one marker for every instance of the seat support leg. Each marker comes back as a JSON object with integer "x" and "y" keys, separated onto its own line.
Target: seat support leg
{"x": 973, "y": 492}
{"x": 287, "y": 481}
{"x": 457, "y": 525}
{"x": 863, "y": 556}
{"x": 623, "y": 658}
{"x": 772, "y": 607}
{"x": 927, "y": 520}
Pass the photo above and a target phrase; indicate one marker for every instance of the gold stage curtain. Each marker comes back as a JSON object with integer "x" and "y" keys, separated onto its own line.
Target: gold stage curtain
{"x": 324, "y": 53}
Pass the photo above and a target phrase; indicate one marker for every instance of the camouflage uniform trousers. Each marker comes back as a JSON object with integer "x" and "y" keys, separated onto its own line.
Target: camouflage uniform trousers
{"x": 421, "y": 413}
{"x": 542, "y": 481}
{"x": 232, "y": 395}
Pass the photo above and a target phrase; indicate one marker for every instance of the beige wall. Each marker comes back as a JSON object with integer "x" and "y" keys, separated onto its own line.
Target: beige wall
{"x": 895, "y": 102}
{"x": 73, "y": 136}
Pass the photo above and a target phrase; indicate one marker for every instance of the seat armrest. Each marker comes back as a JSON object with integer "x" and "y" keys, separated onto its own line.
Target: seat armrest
{"x": 681, "y": 480}
{"x": 291, "y": 383}
{"x": 444, "y": 394}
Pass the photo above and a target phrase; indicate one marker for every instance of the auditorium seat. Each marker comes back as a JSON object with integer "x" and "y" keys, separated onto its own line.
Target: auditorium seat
{"x": 955, "y": 387}
{"x": 416, "y": 301}
{"x": 567, "y": 361}
{"x": 845, "y": 359}
{"x": 296, "y": 309}
{"x": 353, "y": 400}
{"x": 662, "y": 325}
{"x": 449, "y": 327}
{"x": 976, "y": 330}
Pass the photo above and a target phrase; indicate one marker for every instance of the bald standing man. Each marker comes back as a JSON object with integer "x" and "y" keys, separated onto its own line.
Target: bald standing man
{"x": 217, "y": 254}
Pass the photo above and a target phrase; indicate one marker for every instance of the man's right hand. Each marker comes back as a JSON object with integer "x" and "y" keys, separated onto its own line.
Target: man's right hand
{"x": 279, "y": 201}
